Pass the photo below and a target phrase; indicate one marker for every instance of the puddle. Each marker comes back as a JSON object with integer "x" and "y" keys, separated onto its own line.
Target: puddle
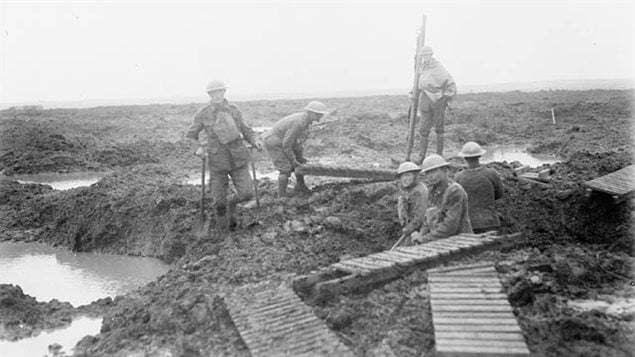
{"x": 195, "y": 178}
{"x": 62, "y": 181}
{"x": 511, "y": 153}
{"x": 261, "y": 129}
{"x": 67, "y": 338}
{"x": 79, "y": 278}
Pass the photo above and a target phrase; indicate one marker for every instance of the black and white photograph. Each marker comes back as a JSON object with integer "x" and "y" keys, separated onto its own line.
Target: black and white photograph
{"x": 317, "y": 178}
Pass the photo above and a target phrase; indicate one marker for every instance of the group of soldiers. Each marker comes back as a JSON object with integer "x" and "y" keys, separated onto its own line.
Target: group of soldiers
{"x": 443, "y": 208}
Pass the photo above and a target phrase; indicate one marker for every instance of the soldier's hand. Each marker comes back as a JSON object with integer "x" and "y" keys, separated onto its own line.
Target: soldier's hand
{"x": 411, "y": 96}
{"x": 296, "y": 163}
{"x": 200, "y": 152}
{"x": 417, "y": 237}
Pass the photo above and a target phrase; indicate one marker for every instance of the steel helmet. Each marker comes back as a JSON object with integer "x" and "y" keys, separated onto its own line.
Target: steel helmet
{"x": 471, "y": 149}
{"x": 316, "y": 107}
{"x": 433, "y": 162}
{"x": 426, "y": 50}
{"x": 408, "y": 167}
{"x": 215, "y": 85}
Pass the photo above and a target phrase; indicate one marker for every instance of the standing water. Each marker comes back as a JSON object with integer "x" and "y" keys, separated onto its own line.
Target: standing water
{"x": 79, "y": 278}
{"x": 511, "y": 153}
{"x": 62, "y": 181}
{"x": 49, "y": 273}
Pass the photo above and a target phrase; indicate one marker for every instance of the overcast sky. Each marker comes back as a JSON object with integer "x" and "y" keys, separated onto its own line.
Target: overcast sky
{"x": 93, "y": 50}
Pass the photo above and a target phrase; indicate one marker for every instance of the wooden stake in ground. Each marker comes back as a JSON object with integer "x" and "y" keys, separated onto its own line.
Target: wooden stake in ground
{"x": 414, "y": 105}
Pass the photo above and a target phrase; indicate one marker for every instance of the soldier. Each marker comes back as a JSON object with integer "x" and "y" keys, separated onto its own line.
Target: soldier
{"x": 227, "y": 154}
{"x": 437, "y": 89}
{"x": 483, "y": 187}
{"x": 412, "y": 202}
{"x": 284, "y": 144}
{"x": 448, "y": 214}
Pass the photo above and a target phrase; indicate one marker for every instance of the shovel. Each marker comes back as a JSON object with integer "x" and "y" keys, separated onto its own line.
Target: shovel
{"x": 253, "y": 170}
{"x": 201, "y": 223}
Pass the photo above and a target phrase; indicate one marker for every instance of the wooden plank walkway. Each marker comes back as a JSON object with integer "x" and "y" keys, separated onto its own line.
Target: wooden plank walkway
{"x": 384, "y": 266}
{"x": 618, "y": 184}
{"x": 471, "y": 314}
{"x": 275, "y": 322}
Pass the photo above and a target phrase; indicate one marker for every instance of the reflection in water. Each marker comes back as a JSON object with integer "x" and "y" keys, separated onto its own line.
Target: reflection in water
{"x": 62, "y": 181}
{"x": 511, "y": 153}
{"x": 67, "y": 337}
{"x": 53, "y": 273}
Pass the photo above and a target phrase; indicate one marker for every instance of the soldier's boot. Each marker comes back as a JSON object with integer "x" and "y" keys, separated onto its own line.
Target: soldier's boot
{"x": 300, "y": 185}
{"x": 231, "y": 217}
{"x": 440, "y": 144}
{"x": 222, "y": 218}
{"x": 423, "y": 149}
{"x": 283, "y": 181}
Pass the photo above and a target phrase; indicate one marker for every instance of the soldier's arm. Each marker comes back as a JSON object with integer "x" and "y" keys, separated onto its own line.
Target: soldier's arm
{"x": 249, "y": 135}
{"x": 290, "y": 138}
{"x": 193, "y": 131}
{"x": 452, "y": 219}
{"x": 449, "y": 89}
{"x": 499, "y": 189}
{"x": 420, "y": 200}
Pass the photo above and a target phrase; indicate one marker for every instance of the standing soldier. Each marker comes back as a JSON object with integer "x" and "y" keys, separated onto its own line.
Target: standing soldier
{"x": 448, "y": 215}
{"x": 483, "y": 187}
{"x": 437, "y": 90}
{"x": 227, "y": 154}
{"x": 284, "y": 144}
{"x": 412, "y": 202}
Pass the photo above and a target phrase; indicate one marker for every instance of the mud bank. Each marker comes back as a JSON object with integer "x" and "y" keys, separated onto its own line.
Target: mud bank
{"x": 575, "y": 247}
{"x": 22, "y": 316}
{"x": 142, "y": 211}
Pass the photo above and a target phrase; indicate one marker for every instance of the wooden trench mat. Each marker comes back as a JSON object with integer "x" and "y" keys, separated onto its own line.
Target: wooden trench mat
{"x": 274, "y": 322}
{"x": 471, "y": 315}
{"x": 356, "y": 273}
{"x": 618, "y": 184}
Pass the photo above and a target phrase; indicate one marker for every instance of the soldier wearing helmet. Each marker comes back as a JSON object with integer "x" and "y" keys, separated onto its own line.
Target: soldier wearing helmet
{"x": 448, "y": 214}
{"x": 437, "y": 89}
{"x": 227, "y": 154}
{"x": 284, "y": 144}
{"x": 483, "y": 187}
{"x": 412, "y": 201}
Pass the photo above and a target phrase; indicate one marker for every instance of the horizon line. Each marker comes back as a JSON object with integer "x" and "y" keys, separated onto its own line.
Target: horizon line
{"x": 529, "y": 86}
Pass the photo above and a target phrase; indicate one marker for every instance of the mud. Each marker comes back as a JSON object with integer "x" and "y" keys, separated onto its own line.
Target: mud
{"x": 575, "y": 247}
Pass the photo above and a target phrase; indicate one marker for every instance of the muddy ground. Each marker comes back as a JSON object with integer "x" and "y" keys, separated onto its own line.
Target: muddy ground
{"x": 575, "y": 248}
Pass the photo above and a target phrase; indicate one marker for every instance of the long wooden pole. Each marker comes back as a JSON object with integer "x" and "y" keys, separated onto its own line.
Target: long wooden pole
{"x": 414, "y": 105}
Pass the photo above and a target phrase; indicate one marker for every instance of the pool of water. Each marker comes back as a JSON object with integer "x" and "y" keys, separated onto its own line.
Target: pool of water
{"x": 195, "y": 177}
{"x": 66, "y": 337}
{"x": 511, "y": 153}
{"x": 49, "y": 273}
{"x": 62, "y": 181}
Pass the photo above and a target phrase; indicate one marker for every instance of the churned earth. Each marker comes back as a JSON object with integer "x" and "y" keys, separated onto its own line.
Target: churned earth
{"x": 570, "y": 280}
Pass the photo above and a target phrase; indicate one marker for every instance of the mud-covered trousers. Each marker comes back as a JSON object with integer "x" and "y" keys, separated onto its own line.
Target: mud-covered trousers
{"x": 220, "y": 184}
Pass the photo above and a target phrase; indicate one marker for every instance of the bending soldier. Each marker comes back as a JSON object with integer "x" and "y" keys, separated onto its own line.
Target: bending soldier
{"x": 448, "y": 214}
{"x": 437, "y": 89}
{"x": 412, "y": 201}
{"x": 483, "y": 187}
{"x": 284, "y": 144}
{"x": 227, "y": 154}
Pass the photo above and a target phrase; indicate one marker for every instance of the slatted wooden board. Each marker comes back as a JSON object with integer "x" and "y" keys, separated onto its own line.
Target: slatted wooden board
{"x": 617, "y": 184}
{"x": 471, "y": 314}
{"x": 275, "y": 322}
{"x": 384, "y": 266}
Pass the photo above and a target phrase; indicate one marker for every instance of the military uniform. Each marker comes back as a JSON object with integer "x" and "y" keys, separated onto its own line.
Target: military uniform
{"x": 227, "y": 155}
{"x": 483, "y": 187}
{"x": 437, "y": 88}
{"x": 284, "y": 142}
{"x": 412, "y": 205}
{"x": 449, "y": 214}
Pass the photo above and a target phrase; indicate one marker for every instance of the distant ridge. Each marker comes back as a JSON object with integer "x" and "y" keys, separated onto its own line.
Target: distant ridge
{"x": 619, "y": 84}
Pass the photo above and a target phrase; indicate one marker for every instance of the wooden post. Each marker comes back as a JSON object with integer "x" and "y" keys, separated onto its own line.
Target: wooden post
{"x": 414, "y": 105}
{"x": 553, "y": 117}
